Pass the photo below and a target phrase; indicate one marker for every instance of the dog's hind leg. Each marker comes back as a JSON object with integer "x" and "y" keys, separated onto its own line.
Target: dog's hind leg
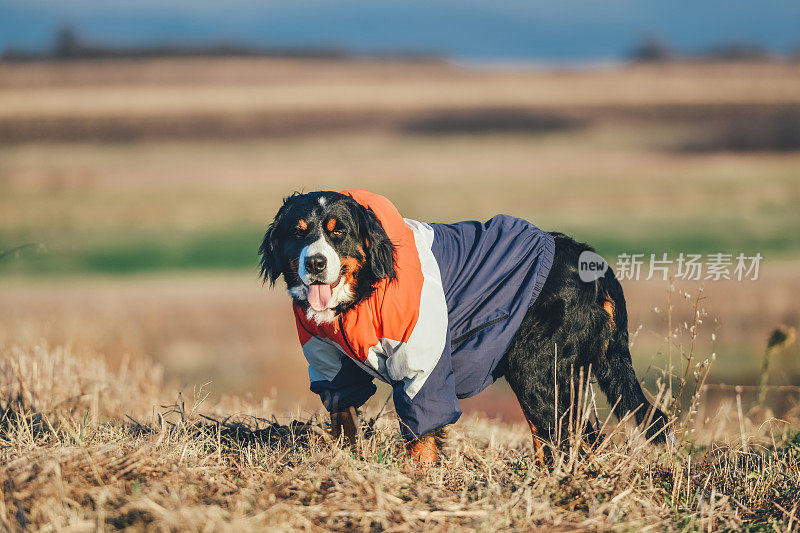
{"x": 530, "y": 373}
{"x": 543, "y": 357}
{"x": 538, "y": 447}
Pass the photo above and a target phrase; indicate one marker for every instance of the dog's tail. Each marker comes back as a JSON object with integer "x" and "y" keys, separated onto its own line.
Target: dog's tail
{"x": 616, "y": 376}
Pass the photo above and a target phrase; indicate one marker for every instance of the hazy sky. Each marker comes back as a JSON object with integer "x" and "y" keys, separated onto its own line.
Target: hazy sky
{"x": 547, "y": 30}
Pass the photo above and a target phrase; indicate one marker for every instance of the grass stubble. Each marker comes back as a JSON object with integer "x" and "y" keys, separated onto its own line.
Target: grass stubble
{"x": 88, "y": 447}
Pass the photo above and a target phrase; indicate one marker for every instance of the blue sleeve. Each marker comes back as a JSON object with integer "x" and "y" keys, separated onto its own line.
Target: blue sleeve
{"x": 433, "y": 405}
{"x": 350, "y": 387}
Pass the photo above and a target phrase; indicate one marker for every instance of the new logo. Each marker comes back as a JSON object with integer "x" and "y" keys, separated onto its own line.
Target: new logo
{"x": 591, "y": 266}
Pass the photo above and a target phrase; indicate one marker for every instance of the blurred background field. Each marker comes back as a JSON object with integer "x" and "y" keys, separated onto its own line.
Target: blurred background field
{"x": 139, "y": 189}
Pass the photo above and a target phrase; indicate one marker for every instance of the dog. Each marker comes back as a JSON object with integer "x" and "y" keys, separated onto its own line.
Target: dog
{"x": 441, "y": 311}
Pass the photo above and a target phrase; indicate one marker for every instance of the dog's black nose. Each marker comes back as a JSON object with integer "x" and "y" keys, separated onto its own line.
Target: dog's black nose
{"x": 315, "y": 264}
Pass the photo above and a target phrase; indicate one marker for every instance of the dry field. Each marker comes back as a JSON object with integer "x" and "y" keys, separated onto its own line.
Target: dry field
{"x": 185, "y": 86}
{"x": 72, "y": 461}
{"x": 228, "y": 330}
{"x": 166, "y": 164}
{"x": 143, "y": 188}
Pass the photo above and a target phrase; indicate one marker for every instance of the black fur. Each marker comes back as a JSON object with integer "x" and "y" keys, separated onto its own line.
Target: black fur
{"x": 272, "y": 261}
{"x": 569, "y": 315}
{"x": 377, "y": 246}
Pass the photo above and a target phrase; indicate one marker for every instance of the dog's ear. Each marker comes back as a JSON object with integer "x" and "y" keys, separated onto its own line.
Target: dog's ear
{"x": 269, "y": 264}
{"x": 378, "y": 248}
{"x": 271, "y": 260}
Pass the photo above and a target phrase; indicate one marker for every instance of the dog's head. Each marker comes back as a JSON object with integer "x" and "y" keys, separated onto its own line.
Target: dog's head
{"x": 331, "y": 251}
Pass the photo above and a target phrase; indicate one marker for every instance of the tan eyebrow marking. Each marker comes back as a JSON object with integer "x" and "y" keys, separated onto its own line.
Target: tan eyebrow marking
{"x": 302, "y": 224}
{"x": 331, "y": 224}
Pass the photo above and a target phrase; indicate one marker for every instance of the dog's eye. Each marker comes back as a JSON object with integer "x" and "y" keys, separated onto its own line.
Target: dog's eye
{"x": 337, "y": 233}
{"x": 301, "y": 228}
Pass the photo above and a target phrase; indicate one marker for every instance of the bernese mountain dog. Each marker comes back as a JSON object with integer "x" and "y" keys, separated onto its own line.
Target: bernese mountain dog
{"x": 440, "y": 311}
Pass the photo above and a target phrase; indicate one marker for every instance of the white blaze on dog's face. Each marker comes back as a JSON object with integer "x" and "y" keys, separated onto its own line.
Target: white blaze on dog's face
{"x": 319, "y": 251}
{"x": 319, "y": 268}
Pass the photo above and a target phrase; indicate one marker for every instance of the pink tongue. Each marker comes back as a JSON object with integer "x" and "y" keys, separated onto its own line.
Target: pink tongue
{"x": 319, "y": 296}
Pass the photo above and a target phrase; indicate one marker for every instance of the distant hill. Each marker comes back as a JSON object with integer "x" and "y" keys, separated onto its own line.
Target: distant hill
{"x": 69, "y": 45}
{"x": 467, "y": 30}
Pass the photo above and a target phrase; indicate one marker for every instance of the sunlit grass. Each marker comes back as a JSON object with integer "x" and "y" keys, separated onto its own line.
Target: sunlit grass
{"x": 124, "y": 208}
{"x": 83, "y": 446}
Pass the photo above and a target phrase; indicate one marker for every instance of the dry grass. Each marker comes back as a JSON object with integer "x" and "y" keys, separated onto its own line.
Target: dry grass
{"x": 229, "y": 329}
{"x": 589, "y": 184}
{"x": 73, "y": 460}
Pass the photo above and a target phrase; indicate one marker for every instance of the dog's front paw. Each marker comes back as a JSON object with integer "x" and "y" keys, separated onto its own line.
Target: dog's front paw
{"x": 345, "y": 423}
{"x": 424, "y": 450}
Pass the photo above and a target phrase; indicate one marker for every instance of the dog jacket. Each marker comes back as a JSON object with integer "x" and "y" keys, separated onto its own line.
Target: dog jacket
{"x": 439, "y": 331}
